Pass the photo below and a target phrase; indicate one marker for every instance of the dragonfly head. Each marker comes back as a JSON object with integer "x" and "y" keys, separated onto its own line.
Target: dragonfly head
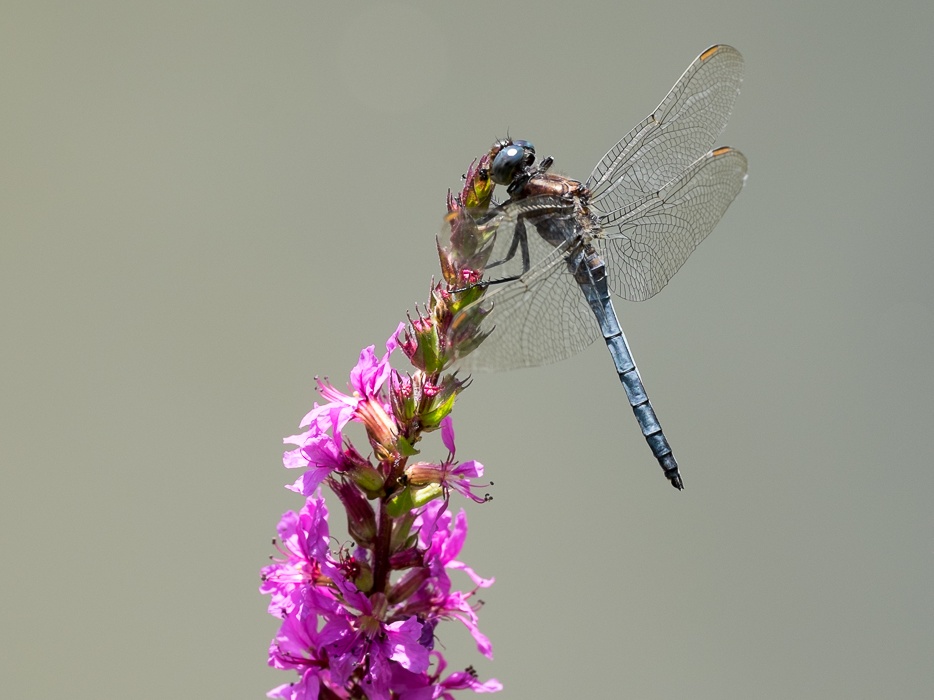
{"x": 509, "y": 159}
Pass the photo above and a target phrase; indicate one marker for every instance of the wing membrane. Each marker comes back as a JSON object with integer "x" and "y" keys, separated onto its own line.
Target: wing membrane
{"x": 645, "y": 243}
{"x": 538, "y": 319}
{"x": 683, "y": 127}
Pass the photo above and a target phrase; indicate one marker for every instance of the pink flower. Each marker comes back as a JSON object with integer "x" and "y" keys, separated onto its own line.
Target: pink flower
{"x": 306, "y": 563}
{"x": 362, "y": 640}
{"x": 366, "y": 379}
{"x": 442, "y": 536}
{"x": 449, "y": 475}
{"x": 296, "y": 647}
{"x": 431, "y": 687}
{"x": 321, "y": 449}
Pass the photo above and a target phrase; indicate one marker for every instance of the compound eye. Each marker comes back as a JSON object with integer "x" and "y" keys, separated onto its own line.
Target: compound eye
{"x": 527, "y": 145}
{"x": 507, "y": 162}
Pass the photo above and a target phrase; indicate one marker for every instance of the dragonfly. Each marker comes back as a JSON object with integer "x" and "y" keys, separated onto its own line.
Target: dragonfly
{"x": 562, "y": 246}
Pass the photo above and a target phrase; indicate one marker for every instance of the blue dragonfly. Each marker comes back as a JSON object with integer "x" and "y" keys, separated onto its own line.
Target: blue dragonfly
{"x": 559, "y": 246}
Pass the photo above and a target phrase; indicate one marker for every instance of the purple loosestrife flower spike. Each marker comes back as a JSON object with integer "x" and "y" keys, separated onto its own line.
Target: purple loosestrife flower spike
{"x": 359, "y": 613}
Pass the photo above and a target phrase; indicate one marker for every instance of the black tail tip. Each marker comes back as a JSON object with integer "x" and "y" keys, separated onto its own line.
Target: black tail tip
{"x": 670, "y": 467}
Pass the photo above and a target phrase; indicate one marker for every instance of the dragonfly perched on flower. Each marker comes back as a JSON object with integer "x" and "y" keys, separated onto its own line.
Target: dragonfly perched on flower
{"x": 557, "y": 247}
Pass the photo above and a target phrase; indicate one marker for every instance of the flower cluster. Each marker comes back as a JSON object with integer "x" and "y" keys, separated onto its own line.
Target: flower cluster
{"x": 358, "y": 618}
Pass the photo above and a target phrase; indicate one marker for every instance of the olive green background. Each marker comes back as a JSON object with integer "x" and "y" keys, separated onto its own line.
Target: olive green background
{"x": 203, "y": 205}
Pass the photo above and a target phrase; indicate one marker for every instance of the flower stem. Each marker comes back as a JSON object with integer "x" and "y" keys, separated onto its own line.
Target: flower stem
{"x": 382, "y": 550}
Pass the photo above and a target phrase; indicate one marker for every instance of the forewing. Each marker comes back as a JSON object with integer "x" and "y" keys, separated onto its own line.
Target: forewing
{"x": 683, "y": 128}
{"x": 645, "y": 243}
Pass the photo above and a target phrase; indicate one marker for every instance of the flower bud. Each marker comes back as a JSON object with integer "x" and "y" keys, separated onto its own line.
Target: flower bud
{"x": 478, "y": 187}
{"x": 423, "y": 345}
{"x": 361, "y": 518}
{"x": 406, "y": 559}
{"x": 408, "y": 585}
{"x": 469, "y": 246}
{"x": 402, "y": 537}
{"x": 424, "y": 473}
{"x": 380, "y": 428}
{"x": 440, "y": 400}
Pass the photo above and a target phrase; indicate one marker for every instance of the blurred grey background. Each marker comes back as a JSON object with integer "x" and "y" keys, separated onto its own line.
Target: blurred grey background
{"x": 203, "y": 205}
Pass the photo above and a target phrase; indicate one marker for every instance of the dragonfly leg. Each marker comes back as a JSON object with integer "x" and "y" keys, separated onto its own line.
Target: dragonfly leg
{"x": 520, "y": 242}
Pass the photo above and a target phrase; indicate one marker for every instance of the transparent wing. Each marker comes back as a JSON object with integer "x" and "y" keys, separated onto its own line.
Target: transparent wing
{"x": 495, "y": 234}
{"x": 540, "y": 318}
{"x": 683, "y": 127}
{"x": 645, "y": 243}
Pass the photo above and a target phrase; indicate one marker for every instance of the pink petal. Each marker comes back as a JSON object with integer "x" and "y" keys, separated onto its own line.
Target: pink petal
{"x": 447, "y": 433}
